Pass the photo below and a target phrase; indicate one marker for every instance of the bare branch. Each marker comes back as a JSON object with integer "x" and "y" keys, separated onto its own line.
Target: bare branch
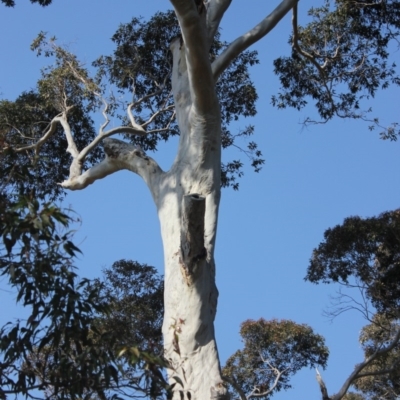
{"x": 278, "y": 374}
{"x": 215, "y": 12}
{"x": 136, "y": 129}
{"x": 132, "y": 119}
{"x": 379, "y": 372}
{"x": 151, "y": 119}
{"x": 322, "y": 386}
{"x": 356, "y": 374}
{"x": 297, "y": 47}
{"x": 72, "y": 149}
{"x": 114, "y": 131}
{"x": 254, "y": 35}
{"x": 94, "y": 173}
{"x": 119, "y": 155}
{"x": 256, "y": 391}
{"x": 50, "y": 131}
{"x": 105, "y": 115}
{"x": 344, "y": 302}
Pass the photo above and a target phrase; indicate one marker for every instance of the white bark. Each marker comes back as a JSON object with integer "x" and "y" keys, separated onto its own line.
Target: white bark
{"x": 215, "y": 12}
{"x": 190, "y": 291}
{"x": 119, "y": 155}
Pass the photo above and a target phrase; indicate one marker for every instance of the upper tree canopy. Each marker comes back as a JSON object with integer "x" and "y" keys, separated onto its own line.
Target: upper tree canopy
{"x": 367, "y": 251}
{"x": 273, "y": 352}
{"x": 364, "y": 254}
{"x": 339, "y": 60}
{"x": 139, "y": 73}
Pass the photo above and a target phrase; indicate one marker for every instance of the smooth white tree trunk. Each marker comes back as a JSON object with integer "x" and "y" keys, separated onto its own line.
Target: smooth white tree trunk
{"x": 187, "y": 204}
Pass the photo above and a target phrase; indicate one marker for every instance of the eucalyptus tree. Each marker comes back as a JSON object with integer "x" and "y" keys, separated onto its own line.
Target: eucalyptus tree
{"x": 273, "y": 352}
{"x": 37, "y": 257}
{"x": 182, "y": 80}
{"x": 363, "y": 254}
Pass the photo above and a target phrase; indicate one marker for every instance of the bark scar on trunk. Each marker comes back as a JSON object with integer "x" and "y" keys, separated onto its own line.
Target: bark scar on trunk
{"x": 192, "y": 249}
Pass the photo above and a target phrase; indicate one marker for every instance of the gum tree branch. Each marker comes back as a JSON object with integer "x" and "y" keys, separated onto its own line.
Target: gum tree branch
{"x": 110, "y": 164}
{"x": 166, "y": 128}
{"x": 116, "y": 159}
{"x": 132, "y": 158}
{"x": 296, "y": 46}
{"x": 357, "y": 372}
{"x": 215, "y": 12}
{"x": 49, "y": 132}
{"x": 278, "y": 374}
{"x": 119, "y": 155}
{"x": 151, "y": 119}
{"x": 252, "y": 36}
{"x": 359, "y": 367}
{"x": 114, "y": 131}
{"x": 380, "y": 372}
{"x": 194, "y": 33}
{"x": 254, "y": 394}
{"x": 303, "y": 53}
{"x": 71, "y": 149}
{"x": 322, "y": 386}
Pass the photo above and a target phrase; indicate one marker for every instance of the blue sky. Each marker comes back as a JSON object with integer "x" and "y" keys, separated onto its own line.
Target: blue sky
{"x": 312, "y": 179}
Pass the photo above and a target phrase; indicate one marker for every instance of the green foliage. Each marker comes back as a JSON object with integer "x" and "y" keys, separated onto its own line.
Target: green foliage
{"x": 66, "y": 83}
{"x": 380, "y": 332}
{"x": 367, "y": 250}
{"x": 135, "y": 295}
{"x": 364, "y": 253}
{"x": 139, "y": 70}
{"x": 340, "y": 59}
{"x": 81, "y": 338}
{"x": 64, "y": 88}
{"x": 37, "y": 259}
{"x": 11, "y": 3}
{"x": 273, "y": 352}
{"x": 22, "y": 123}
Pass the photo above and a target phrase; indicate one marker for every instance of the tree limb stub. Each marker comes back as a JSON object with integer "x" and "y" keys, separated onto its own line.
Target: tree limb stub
{"x": 192, "y": 234}
{"x": 322, "y": 387}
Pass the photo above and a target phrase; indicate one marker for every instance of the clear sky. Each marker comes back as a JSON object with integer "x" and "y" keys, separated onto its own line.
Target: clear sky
{"x": 313, "y": 178}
